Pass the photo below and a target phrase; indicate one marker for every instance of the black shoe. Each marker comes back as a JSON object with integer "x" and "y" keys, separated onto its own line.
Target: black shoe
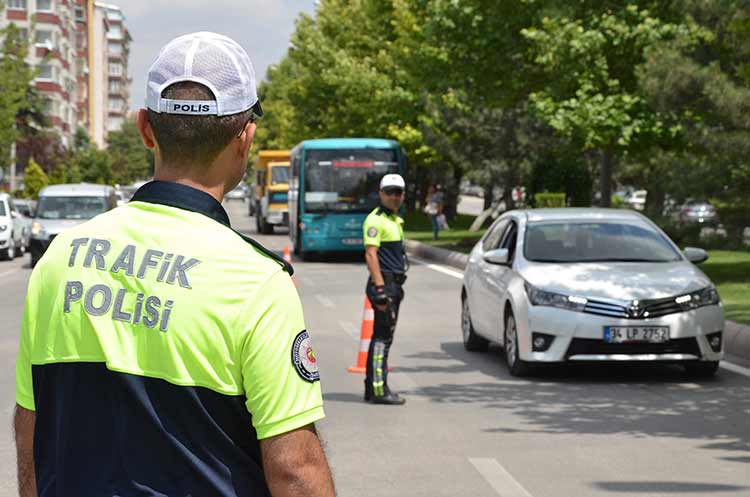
{"x": 390, "y": 398}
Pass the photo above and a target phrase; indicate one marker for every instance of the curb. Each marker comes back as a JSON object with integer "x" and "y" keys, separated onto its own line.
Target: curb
{"x": 436, "y": 254}
{"x": 736, "y": 336}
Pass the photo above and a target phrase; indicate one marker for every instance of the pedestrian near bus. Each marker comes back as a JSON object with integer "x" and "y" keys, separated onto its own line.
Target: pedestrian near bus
{"x": 387, "y": 265}
{"x": 161, "y": 352}
{"x": 434, "y": 208}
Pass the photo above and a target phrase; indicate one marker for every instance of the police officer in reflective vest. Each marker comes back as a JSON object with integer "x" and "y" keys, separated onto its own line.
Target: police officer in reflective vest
{"x": 162, "y": 352}
{"x": 386, "y": 261}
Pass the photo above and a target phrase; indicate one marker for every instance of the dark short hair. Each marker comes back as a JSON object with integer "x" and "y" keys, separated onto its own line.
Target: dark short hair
{"x": 193, "y": 140}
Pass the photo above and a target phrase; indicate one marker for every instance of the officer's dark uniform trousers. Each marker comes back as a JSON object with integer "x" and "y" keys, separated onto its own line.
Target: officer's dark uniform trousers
{"x": 376, "y": 379}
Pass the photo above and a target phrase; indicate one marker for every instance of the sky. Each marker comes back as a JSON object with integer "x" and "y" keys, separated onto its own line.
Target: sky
{"x": 262, "y": 27}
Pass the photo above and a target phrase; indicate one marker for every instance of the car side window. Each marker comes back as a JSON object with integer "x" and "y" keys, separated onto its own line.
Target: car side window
{"x": 492, "y": 240}
{"x": 510, "y": 238}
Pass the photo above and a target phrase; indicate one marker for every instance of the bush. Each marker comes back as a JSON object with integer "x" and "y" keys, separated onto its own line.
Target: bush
{"x": 542, "y": 200}
{"x": 34, "y": 180}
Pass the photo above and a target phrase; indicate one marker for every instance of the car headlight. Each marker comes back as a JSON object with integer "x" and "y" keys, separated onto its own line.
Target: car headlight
{"x": 550, "y": 299}
{"x": 36, "y": 228}
{"x": 3, "y": 227}
{"x": 701, "y": 298}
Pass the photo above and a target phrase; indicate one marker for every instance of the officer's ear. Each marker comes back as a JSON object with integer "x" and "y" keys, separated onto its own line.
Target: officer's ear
{"x": 246, "y": 138}
{"x": 144, "y": 129}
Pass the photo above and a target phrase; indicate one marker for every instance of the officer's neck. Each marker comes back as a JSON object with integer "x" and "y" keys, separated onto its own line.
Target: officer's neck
{"x": 209, "y": 182}
{"x": 387, "y": 210}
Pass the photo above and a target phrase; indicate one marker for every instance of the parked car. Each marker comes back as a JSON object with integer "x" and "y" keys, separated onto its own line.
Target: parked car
{"x": 637, "y": 200}
{"x": 238, "y": 193}
{"x": 698, "y": 211}
{"x": 63, "y": 206}
{"x": 589, "y": 285}
{"x": 14, "y": 229}
{"x": 25, "y": 207}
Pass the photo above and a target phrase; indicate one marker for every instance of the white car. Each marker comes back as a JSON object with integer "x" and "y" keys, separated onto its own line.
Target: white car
{"x": 14, "y": 229}
{"x": 637, "y": 200}
{"x": 589, "y": 285}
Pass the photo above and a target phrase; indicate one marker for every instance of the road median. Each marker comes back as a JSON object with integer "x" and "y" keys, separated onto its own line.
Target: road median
{"x": 736, "y": 336}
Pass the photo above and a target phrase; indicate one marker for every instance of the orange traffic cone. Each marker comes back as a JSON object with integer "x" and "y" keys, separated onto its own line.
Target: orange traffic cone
{"x": 288, "y": 259}
{"x": 368, "y": 326}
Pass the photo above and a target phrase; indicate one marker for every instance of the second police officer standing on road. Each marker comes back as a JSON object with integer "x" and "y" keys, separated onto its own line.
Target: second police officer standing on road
{"x": 163, "y": 353}
{"x": 387, "y": 264}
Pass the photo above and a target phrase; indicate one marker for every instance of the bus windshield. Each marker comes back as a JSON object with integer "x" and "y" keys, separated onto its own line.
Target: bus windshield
{"x": 346, "y": 180}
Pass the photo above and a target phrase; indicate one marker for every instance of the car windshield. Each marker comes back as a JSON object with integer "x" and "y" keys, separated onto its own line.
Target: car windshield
{"x": 279, "y": 175}
{"x": 596, "y": 242}
{"x": 71, "y": 207}
{"x": 346, "y": 180}
{"x": 24, "y": 210}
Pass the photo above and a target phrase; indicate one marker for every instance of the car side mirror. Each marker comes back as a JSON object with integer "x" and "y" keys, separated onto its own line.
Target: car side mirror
{"x": 14, "y": 215}
{"x": 695, "y": 255}
{"x": 500, "y": 257}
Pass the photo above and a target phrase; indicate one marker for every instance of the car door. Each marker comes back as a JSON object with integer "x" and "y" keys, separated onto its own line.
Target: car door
{"x": 480, "y": 297}
{"x": 497, "y": 280}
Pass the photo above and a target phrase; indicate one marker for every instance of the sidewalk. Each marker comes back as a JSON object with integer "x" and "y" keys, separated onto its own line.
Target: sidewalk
{"x": 736, "y": 336}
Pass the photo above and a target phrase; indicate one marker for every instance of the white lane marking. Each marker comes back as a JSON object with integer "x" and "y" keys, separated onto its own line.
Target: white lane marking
{"x": 325, "y": 301}
{"x": 735, "y": 368}
{"x": 307, "y": 281}
{"x": 9, "y": 272}
{"x": 350, "y": 329}
{"x": 498, "y": 477}
{"x": 439, "y": 269}
{"x": 724, "y": 364}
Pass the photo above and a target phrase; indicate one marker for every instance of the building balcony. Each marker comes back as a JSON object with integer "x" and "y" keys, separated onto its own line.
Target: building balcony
{"x": 47, "y": 18}
{"x": 17, "y": 15}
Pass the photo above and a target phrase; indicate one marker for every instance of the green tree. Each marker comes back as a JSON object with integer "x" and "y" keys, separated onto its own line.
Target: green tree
{"x": 131, "y": 160}
{"x": 591, "y": 93}
{"x": 93, "y": 166}
{"x": 34, "y": 180}
{"x": 15, "y": 78}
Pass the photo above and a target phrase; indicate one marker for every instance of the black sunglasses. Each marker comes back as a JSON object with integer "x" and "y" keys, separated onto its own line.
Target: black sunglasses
{"x": 393, "y": 191}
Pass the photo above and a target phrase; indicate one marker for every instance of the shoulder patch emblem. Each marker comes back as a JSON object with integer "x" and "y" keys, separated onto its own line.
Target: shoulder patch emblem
{"x": 303, "y": 358}
{"x": 372, "y": 232}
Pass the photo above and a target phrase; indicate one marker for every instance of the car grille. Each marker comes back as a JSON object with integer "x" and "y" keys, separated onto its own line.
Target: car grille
{"x": 589, "y": 346}
{"x": 646, "y": 309}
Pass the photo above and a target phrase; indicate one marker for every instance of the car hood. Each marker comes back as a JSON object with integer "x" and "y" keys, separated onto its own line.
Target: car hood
{"x": 617, "y": 280}
{"x": 56, "y": 226}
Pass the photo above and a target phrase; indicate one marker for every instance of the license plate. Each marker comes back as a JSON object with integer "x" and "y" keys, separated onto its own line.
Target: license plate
{"x": 352, "y": 241}
{"x": 625, "y": 334}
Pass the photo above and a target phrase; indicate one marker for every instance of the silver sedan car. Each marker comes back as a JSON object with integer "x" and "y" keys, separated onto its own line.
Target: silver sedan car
{"x": 589, "y": 285}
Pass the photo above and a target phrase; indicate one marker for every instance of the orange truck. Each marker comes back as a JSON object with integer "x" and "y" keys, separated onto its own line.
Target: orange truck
{"x": 270, "y": 203}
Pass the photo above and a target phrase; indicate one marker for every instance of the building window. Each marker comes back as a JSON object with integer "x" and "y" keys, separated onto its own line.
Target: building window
{"x": 45, "y": 5}
{"x": 46, "y": 71}
{"x": 114, "y": 31}
{"x": 115, "y": 69}
{"x": 80, "y": 15}
{"x": 115, "y": 104}
{"x": 17, "y": 4}
{"x": 114, "y": 86}
{"x": 114, "y": 48}
{"x": 44, "y": 37}
{"x": 23, "y": 33}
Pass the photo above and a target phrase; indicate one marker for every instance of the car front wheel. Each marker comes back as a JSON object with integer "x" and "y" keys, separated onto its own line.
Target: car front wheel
{"x": 516, "y": 366}
{"x": 472, "y": 341}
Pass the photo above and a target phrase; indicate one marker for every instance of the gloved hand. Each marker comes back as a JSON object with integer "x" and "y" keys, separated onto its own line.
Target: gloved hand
{"x": 381, "y": 299}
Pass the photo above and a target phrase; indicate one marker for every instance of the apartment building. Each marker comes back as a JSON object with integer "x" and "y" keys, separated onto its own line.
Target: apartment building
{"x": 118, "y": 55}
{"x": 81, "y": 49}
{"x": 52, "y": 50}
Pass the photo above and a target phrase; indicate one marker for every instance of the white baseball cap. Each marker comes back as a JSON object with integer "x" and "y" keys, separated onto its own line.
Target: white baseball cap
{"x": 392, "y": 181}
{"x": 213, "y": 60}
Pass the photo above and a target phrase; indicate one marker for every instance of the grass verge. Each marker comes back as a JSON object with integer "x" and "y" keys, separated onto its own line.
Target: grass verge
{"x": 730, "y": 272}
